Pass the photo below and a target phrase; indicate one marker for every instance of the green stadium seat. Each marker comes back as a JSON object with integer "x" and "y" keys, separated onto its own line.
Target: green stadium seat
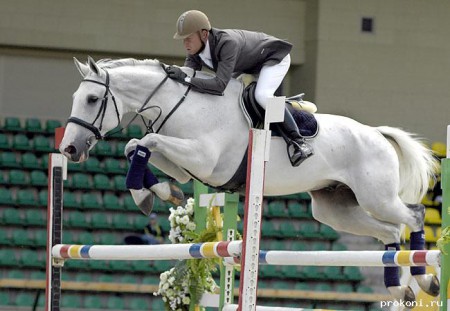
{"x": 30, "y": 258}
{"x": 92, "y": 165}
{"x": 5, "y": 197}
{"x": 91, "y": 200}
{"x": 17, "y": 177}
{"x": 44, "y": 161}
{"x": 12, "y": 124}
{"x": 21, "y": 142}
{"x": 42, "y": 144}
{"x": 130, "y": 279}
{"x": 277, "y": 208}
{"x": 143, "y": 266}
{"x": 67, "y": 237}
{"x": 9, "y": 160}
{"x": 26, "y": 197}
{"x": 157, "y": 304}
{"x": 85, "y": 238}
{"x": 268, "y": 229}
{"x": 111, "y": 202}
{"x": 8, "y": 258}
{"x": 352, "y": 273}
{"x": 319, "y": 246}
{"x": 270, "y": 271}
{"x": 119, "y": 265}
{"x": 83, "y": 277}
{"x": 99, "y": 265}
{"x": 322, "y": 287}
{"x": 287, "y": 229}
{"x": 119, "y": 182}
{"x": 140, "y": 221}
{"x": 116, "y": 303}
{"x": 150, "y": 279}
{"x": 328, "y": 233}
{"x": 302, "y": 286}
{"x": 162, "y": 266}
{"x": 140, "y": 304}
{"x": 165, "y": 224}
{"x": 30, "y": 161}
{"x": 4, "y": 142}
{"x": 103, "y": 148}
{"x": 102, "y": 182}
{"x": 15, "y": 274}
{"x": 20, "y": 237}
{"x": 100, "y": 220}
{"x": 106, "y": 239}
{"x": 338, "y": 247}
{"x": 24, "y": 300}
{"x": 78, "y": 219}
{"x": 40, "y": 237}
{"x": 343, "y": 288}
{"x": 309, "y": 229}
{"x": 71, "y": 200}
{"x": 51, "y": 125}
{"x": 312, "y": 273}
{"x": 106, "y": 278}
{"x": 43, "y": 197}
{"x": 4, "y": 237}
{"x": 4, "y": 299}
{"x": 113, "y": 166}
{"x": 120, "y": 221}
{"x": 70, "y": 301}
{"x": 80, "y": 181}
{"x": 38, "y": 178}
{"x": 281, "y": 285}
{"x": 292, "y": 272}
{"x": 11, "y": 216}
{"x": 334, "y": 273}
{"x": 134, "y": 131}
{"x": 128, "y": 202}
{"x": 120, "y": 148}
{"x": 37, "y": 275}
{"x": 364, "y": 289}
{"x": 34, "y": 217}
{"x": 33, "y": 125}
{"x": 73, "y": 167}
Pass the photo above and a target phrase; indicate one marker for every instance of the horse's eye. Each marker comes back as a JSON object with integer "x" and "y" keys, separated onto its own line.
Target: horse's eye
{"x": 92, "y": 99}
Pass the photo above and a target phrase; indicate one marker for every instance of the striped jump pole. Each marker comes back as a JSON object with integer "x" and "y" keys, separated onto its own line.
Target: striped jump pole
{"x": 445, "y": 184}
{"x": 228, "y": 249}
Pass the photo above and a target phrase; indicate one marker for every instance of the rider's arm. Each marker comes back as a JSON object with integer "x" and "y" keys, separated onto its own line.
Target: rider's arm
{"x": 226, "y": 62}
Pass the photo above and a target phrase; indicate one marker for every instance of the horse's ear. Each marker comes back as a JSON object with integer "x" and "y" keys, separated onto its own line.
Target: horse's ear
{"x": 93, "y": 66}
{"x": 82, "y": 68}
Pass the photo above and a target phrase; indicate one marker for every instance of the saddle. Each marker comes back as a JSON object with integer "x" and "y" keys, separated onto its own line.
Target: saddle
{"x": 306, "y": 122}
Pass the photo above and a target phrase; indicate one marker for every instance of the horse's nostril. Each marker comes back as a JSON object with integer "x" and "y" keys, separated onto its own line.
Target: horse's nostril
{"x": 71, "y": 149}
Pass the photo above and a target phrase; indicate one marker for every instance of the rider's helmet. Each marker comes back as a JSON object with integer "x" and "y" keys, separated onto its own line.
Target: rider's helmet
{"x": 190, "y": 22}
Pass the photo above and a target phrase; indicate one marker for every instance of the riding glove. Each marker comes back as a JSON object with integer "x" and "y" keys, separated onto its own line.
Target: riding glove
{"x": 177, "y": 74}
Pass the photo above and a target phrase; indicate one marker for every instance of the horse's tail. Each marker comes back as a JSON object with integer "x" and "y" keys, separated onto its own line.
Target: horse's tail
{"x": 417, "y": 163}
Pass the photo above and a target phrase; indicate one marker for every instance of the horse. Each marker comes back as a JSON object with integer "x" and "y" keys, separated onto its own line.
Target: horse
{"x": 362, "y": 180}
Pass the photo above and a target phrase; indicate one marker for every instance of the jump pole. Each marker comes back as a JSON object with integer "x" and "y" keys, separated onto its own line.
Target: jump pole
{"x": 445, "y": 265}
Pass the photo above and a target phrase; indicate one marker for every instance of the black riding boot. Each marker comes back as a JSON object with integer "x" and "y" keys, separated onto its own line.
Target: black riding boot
{"x": 289, "y": 131}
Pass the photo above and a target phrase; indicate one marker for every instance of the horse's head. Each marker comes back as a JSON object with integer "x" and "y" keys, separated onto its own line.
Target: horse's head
{"x": 95, "y": 111}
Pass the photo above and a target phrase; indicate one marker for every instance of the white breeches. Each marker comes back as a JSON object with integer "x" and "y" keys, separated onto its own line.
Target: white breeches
{"x": 270, "y": 79}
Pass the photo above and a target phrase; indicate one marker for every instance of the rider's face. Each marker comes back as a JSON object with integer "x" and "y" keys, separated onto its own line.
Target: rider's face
{"x": 194, "y": 42}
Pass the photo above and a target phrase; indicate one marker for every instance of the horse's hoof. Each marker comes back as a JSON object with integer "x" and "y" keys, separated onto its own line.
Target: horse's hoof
{"x": 176, "y": 196}
{"x": 144, "y": 199}
{"x": 403, "y": 293}
{"x": 429, "y": 283}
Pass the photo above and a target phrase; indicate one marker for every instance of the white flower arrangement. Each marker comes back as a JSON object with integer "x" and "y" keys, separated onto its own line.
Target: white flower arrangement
{"x": 177, "y": 284}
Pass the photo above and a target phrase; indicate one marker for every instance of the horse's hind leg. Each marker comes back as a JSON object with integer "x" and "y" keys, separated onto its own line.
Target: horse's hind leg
{"x": 340, "y": 210}
{"x": 429, "y": 283}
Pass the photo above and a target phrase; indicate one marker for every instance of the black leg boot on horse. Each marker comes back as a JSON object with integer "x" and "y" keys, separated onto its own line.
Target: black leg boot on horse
{"x": 297, "y": 148}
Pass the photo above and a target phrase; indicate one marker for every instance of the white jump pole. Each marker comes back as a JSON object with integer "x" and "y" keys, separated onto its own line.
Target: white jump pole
{"x": 258, "y": 155}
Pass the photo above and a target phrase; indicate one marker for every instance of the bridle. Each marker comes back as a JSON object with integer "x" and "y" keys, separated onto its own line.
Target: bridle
{"x": 102, "y": 111}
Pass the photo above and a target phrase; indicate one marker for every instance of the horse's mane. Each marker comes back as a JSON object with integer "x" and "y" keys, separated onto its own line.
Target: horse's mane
{"x": 114, "y": 63}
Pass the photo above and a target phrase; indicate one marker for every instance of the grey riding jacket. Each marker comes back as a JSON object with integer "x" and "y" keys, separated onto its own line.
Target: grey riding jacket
{"x": 236, "y": 51}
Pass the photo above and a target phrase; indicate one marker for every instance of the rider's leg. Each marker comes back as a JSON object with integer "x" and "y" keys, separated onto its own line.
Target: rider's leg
{"x": 269, "y": 80}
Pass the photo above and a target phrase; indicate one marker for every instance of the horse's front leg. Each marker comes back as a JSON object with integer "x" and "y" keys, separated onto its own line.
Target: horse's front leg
{"x": 194, "y": 155}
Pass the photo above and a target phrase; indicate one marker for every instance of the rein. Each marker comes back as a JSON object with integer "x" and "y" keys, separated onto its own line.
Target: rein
{"x": 102, "y": 111}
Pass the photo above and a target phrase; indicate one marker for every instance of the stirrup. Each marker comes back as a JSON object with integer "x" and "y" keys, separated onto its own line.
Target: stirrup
{"x": 305, "y": 152}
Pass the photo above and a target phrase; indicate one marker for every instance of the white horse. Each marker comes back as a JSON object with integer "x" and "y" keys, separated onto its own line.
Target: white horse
{"x": 363, "y": 180}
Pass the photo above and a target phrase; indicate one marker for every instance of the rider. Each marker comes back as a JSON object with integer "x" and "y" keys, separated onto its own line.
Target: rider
{"x": 233, "y": 51}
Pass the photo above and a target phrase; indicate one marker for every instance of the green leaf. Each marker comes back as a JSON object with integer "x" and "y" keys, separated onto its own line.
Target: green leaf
{"x": 443, "y": 240}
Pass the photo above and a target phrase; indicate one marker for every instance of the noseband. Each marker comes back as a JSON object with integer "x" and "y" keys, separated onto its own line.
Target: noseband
{"x": 101, "y": 112}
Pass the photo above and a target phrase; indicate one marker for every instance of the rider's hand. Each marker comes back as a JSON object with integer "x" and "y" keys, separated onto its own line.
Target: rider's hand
{"x": 176, "y": 74}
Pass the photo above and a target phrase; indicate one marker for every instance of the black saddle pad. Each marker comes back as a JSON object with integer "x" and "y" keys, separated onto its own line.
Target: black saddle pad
{"x": 306, "y": 122}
